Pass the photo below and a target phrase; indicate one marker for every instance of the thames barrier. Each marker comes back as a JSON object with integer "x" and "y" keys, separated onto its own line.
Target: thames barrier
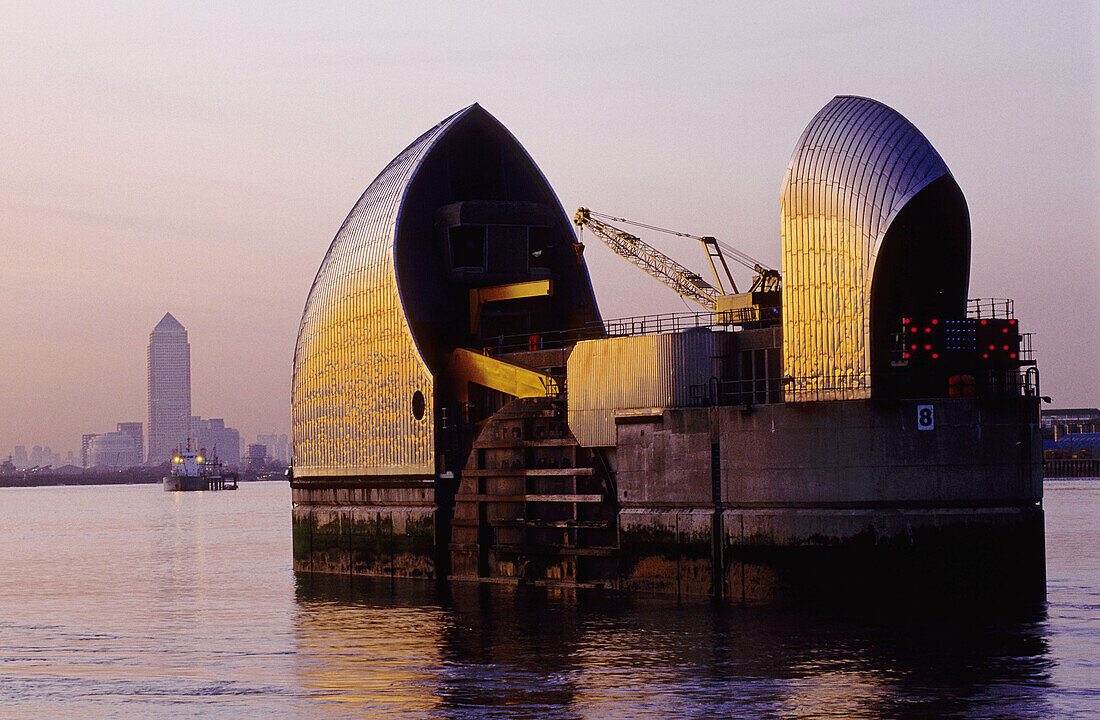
{"x": 461, "y": 411}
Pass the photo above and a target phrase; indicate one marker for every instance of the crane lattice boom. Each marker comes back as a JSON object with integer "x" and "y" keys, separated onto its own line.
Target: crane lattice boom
{"x": 686, "y": 283}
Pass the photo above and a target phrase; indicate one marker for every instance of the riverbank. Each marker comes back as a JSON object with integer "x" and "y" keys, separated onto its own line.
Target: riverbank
{"x": 133, "y": 476}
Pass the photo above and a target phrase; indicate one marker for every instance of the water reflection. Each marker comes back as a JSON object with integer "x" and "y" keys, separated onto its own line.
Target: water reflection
{"x": 383, "y": 649}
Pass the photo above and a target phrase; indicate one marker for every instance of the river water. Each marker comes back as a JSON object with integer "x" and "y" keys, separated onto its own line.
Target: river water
{"x": 129, "y": 602}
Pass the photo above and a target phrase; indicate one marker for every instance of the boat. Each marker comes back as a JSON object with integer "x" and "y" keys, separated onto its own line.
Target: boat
{"x": 194, "y": 470}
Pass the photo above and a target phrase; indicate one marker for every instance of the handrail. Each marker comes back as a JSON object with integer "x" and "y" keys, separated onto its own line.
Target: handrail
{"x": 991, "y": 308}
{"x": 614, "y": 327}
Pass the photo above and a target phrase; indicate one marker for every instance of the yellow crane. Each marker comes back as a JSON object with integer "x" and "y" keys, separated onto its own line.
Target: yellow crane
{"x": 733, "y": 307}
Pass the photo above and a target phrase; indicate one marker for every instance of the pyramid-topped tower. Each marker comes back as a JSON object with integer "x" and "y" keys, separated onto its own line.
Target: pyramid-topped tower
{"x": 169, "y": 363}
{"x": 170, "y": 324}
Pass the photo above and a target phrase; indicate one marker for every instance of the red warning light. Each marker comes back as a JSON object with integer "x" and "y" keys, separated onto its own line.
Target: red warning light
{"x": 1011, "y": 322}
{"x": 935, "y": 355}
{"x": 1006, "y": 347}
{"x": 985, "y": 356}
{"x": 928, "y": 329}
{"x": 1012, "y": 355}
{"x": 935, "y": 321}
{"x": 905, "y": 356}
{"x": 992, "y": 347}
{"x": 1004, "y": 330}
{"x": 912, "y": 347}
{"x": 912, "y": 329}
{"x": 984, "y": 322}
{"x": 927, "y": 347}
{"x": 905, "y": 321}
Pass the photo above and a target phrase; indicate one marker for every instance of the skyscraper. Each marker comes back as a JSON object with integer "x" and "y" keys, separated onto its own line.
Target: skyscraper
{"x": 169, "y": 388}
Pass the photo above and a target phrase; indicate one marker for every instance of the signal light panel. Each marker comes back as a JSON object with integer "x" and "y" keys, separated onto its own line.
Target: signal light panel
{"x": 985, "y": 341}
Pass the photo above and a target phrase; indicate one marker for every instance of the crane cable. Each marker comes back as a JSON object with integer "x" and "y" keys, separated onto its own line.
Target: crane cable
{"x": 743, "y": 258}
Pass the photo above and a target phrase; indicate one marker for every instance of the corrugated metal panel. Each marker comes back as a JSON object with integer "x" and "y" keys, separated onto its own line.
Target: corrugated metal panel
{"x": 625, "y": 375}
{"x": 855, "y": 167}
{"x": 356, "y": 363}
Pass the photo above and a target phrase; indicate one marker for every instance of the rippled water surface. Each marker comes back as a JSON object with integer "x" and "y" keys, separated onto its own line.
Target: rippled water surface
{"x": 129, "y": 602}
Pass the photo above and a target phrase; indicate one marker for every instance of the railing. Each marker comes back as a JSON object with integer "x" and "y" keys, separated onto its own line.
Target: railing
{"x": 1071, "y": 468}
{"x": 761, "y": 391}
{"x": 992, "y": 308}
{"x": 1023, "y": 384}
{"x": 829, "y": 387}
{"x": 655, "y": 324}
{"x": 765, "y": 391}
{"x": 626, "y": 327}
{"x": 618, "y": 327}
{"x": 1027, "y": 357}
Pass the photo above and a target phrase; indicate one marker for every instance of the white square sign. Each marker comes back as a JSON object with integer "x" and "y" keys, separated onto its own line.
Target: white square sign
{"x": 926, "y": 417}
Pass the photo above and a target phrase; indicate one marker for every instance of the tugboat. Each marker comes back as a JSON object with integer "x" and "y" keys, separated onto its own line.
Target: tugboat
{"x": 193, "y": 470}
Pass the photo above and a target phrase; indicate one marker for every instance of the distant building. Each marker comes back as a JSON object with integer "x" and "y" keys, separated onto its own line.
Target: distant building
{"x": 277, "y": 446}
{"x": 115, "y": 450}
{"x": 257, "y": 458}
{"x": 19, "y": 457}
{"x": 1058, "y": 422}
{"x": 169, "y": 364}
{"x": 212, "y": 434}
{"x": 86, "y": 448}
{"x": 1071, "y": 442}
{"x": 136, "y": 431}
{"x": 41, "y": 456}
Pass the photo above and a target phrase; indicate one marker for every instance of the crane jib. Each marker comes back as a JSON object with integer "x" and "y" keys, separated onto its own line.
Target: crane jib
{"x": 686, "y": 283}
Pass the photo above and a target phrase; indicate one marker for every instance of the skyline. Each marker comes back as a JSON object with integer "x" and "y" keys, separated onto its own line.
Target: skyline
{"x": 201, "y": 163}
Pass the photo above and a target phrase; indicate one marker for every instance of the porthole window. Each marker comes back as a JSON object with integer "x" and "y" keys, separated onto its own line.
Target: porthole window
{"x": 418, "y": 405}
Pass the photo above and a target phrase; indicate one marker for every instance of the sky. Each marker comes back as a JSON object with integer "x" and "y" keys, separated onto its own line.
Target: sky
{"x": 197, "y": 158}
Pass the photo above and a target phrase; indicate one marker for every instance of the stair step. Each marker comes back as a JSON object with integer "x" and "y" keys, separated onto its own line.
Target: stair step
{"x": 529, "y": 472}
{"x": 485, "y": 497}
{"x": 548, "y": 442}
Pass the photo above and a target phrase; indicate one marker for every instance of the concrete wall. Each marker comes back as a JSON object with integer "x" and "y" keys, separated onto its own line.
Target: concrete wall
{"x": 749, "y": 495}
{"x": 840, "y": 453}
{"x": 368, "y": 527}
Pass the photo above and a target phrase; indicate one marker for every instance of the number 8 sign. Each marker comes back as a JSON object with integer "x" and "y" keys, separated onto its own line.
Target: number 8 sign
{"x": 926, "y": 418}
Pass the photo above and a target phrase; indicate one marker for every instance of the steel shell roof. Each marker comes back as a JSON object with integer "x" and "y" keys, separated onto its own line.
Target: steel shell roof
{"x": 856, "y": 166}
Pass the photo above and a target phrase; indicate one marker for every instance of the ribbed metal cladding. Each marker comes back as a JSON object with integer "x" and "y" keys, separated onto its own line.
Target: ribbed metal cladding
{"x": 356, "y": 364}
{"x": 855, "y": 167}
{"x": 629, "y": 375}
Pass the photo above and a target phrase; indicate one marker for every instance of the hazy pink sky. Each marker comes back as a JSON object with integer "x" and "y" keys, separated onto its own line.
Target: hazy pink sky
{"x": 198, "y": 158}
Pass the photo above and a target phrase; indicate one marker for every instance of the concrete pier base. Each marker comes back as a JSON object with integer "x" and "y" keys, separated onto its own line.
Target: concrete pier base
{"x": 376, "y": 527}
{"x": 851, "y": 496}
{"x": 965, "y": 554}
{"x": 845, "y": 499}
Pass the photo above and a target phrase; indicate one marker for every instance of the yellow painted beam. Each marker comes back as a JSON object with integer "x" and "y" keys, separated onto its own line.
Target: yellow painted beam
{"x": 467, "y": 367}
{"x": 511, "y": 291}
